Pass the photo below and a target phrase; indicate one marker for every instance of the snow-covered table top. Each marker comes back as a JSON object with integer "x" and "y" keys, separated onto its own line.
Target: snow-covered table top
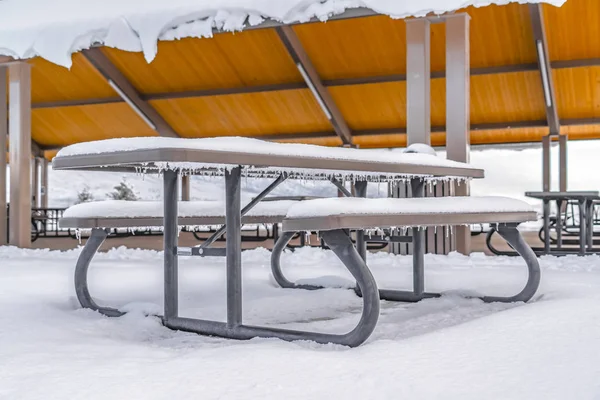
{"x": 259, "y": 158}
{"x": 55, "y": 29}
{"x": 569, "y": 195}
{"x": 121, "y": 213}
{"x": 351, "y": 212}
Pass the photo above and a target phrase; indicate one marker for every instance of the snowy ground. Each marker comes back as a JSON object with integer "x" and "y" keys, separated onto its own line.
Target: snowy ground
{"x": 452, "y": 348}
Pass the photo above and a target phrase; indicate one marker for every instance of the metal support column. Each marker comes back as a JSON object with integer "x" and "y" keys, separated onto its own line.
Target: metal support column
{"x": 35, "y": 182}
{"x": 562, "y": 159}
{"x": 170, "y": 195}
{"x": 44, "y": 183}
{"x": 458, "y": 128}
{"x": 233, "y": 221}
{"x": 546, "y": 163}
{"x": 20, "y": 154}
{"x": 418, "y": 80}
{"x": 3, "y": 160}
{"x": 185, "y": 188}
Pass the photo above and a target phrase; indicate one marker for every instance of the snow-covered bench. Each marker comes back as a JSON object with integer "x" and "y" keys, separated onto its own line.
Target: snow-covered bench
{"x": 99, "y": 216}
{"x": 134, "y": 214}
{"x": 332, "y": 217}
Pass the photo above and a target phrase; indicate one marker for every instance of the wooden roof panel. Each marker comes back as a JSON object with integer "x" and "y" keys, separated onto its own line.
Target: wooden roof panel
{"x": 244, "y": 114}
{"x": 68, "y": 125}
{"x": 50, "y": 82}
{"x": 578, "y": 92}
{"x": 374, "y": 46}
{"x": 376, "y": 106}
{"x": 228, "y": 60}
{"x": 573, "y": 30}
{"x": 516, "y": 96}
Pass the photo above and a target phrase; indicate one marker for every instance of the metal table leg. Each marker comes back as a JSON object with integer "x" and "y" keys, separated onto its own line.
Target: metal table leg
{"x": 233, "y": 221}
{"x": 559, "y": 224}
{"x": 418, "y": 186}
{"x": 170, "y": 239}
{"x": 590, "y": 222}
{"x": 582, "y": 227}
{"x": 361, "y": 244}
{"x": 547, "y": 226}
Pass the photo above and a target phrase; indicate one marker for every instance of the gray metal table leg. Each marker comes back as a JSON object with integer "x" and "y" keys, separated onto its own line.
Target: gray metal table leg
{"x": 547, "y": 226}
{"x": 582, "y": 227}
{"x": 170, "y": 239}
{"x": 361, "y": 244}
{"x": 559, "y": 224}
{"x": 233, "y": 221}
{"x": 81, "y": 271}
{"x": 342, "y": 246}
{"x": 418, "y": 186}
{"x": 590, "y": 221}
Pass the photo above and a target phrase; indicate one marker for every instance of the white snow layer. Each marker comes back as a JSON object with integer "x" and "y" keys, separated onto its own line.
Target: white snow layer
{"x": 254, "y": 146}
{"x": 384, "y": 206}
{"x": 55, "y": 29}
{"x": 154, "y": 209}
{"x": 447, "y": 348}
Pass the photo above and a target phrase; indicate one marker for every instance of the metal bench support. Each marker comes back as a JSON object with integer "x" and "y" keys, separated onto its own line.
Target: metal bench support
{"x": 508, "y": 232}
{"x": 81, "y": 271}
{"x": 512, "y": 236}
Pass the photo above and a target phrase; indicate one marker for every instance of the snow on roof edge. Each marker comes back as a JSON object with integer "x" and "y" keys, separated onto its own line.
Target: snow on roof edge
{"x": 62, "y": 27}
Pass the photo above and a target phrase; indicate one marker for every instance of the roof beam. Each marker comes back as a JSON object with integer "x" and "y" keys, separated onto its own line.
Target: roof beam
{"x": 309, "y": 73}
{"x": 327, "y": 83}
{"x": 128, "y": 93}
{"x": 539, "y": 35}
{"x": 496, "y": 126}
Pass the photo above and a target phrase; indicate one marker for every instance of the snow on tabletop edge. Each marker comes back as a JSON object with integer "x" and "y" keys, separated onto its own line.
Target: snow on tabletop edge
{"x": 61, "y": 27}
{"x": 255, "y": 146}
{"x": 389, "y": 206}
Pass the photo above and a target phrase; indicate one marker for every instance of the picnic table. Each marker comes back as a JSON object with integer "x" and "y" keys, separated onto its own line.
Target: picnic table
{"x": 585, "y": 200}
{"x": 234, "y": 158}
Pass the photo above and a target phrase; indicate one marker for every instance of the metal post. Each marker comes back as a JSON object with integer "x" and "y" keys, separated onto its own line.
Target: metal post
{"x": 563, "y": 175}
{"x": 233, "y": 221}
{"x": 559, "y": 207}
{"x": 458, "y": 128}
{"x": 20, "y": 154}
{"x": 44, "y": 183}
{"x": 185, "y": 188}
{"x": 582, "y": 226}
{"x": 170, "y": 193}
{"x": 35, "y": 182}
{"x": 546, "y": 226}
{"x": 3, "y": 160}
{"x": 418, "y": 80}
{"x": 546, "y": 163}
{"x": 590, "y": 224}
{"x": 360, "y": 188}
{"x": 417, "y": 187}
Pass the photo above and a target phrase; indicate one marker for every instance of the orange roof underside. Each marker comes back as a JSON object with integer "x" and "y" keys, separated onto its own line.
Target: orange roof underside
{"x": 346, "y": 49}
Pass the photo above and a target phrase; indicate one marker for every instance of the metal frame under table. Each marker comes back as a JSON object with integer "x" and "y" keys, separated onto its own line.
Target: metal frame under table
{"x": 338, "y": 240}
